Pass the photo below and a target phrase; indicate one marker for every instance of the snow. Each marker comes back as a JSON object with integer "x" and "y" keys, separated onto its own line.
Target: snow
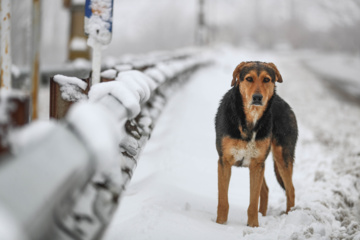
{"x": 166, "y": 70}
{"x": 64, "y": 80}
{"x": 338, "y": 66}
{"x": 24, "y": 137}
{"x": 131, "y": 88}
{"x": 78, "y": 44}
{"x": 123, "y": 67}
{"x": 128, "y": 97}
{"x": 145, "y": 123}
{"x": 97, "y": 127}
{"x": 81, "y": 63}
{"x": 156, "y": 74}
{"x": 15, "y": 71}
{"x": 5, "y": 107}
{"x": 135, "y": 81}
{"x": 109, "y": 74}
{"x": 71, "y": 87}
{"x": 173, "y": 193}
{"x": 9, "y": 227}
{"x": 78, "y": 2}
{"x": 342, "y": 70}
{"x": 98, "y": 25}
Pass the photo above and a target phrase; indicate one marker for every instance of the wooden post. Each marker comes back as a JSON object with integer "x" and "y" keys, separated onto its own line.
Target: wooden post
{"x": 5, "y": 59}
{"x": 77, "y": 39}
{"x": 35, "y": 58}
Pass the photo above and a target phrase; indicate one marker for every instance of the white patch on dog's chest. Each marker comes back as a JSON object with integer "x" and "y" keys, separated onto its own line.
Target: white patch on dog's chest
{"x": 255, "y": 116}
{"x": 243, "y": 156}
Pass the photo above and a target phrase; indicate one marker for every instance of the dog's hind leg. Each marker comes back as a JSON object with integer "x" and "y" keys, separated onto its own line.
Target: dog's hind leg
{"x": 264, "y": 196}
{"x": 284, "y": 167}
{"x": 224, "y": 174}
{"x": 256, "y": 180}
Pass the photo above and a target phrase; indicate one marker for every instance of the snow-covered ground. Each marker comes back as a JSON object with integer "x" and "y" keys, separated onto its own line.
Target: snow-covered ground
{"x": 173, "y": 193}
{"x": 341, "y": 70}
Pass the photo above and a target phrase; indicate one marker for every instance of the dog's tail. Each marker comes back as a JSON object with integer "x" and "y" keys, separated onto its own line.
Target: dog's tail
{"x": 278, "y": 177}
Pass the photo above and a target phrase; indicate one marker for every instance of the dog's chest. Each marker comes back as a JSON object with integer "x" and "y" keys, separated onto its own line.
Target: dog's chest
{"x": 243, "y": 153}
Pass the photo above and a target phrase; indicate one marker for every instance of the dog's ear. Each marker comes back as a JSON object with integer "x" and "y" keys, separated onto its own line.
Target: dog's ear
{"x": 277, "y": 73}
{"x": 236, "y": 74}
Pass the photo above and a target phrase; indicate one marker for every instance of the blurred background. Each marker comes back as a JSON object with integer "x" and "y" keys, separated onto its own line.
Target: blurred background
{"x": 319, "y": 36}
{"x": 142, "y": 25}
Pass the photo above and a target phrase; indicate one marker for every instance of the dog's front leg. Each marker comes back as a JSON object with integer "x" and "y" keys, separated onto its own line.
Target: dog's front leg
{"x": 224, "y": 173}
{"x": 256, "y": 179}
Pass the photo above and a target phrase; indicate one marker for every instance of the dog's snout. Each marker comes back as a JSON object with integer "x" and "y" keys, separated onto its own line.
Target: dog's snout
{"x": 257, "y": 98}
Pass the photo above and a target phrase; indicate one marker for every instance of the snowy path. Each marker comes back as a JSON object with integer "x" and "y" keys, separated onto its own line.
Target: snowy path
{"x": 173, "y": 194}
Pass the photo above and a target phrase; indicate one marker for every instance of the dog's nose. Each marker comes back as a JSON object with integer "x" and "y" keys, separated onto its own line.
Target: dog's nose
{"x": 257, "y": 98}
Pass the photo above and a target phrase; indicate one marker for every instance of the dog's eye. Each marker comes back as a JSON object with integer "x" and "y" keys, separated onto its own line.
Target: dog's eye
{"x": 266, "y": 80}
{"x": 249, "y": 79}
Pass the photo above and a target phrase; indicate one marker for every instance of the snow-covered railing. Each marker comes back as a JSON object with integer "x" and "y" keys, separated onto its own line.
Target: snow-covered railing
{"x": 65, "y": 181}
{"x": 159, "y": 66}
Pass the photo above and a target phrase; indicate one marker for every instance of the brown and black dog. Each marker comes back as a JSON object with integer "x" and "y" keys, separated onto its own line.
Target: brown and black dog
{"x": 252, "y": 120}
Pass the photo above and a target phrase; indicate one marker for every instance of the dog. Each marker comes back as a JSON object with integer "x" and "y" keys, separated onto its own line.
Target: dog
{"x": 252, "y": 120}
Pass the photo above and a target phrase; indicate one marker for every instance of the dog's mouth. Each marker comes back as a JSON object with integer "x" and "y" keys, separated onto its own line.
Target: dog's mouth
{"x": 256, "y": 103}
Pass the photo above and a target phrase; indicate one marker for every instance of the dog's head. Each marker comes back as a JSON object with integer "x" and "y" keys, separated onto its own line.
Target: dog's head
{"x": 256, "y": 82}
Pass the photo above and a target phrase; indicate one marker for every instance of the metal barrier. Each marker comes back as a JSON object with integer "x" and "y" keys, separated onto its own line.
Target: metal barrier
{"x": 68, "y": 184}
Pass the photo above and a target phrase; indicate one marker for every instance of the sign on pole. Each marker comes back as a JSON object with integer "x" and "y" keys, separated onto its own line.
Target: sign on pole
{"x": 98, "y": 27}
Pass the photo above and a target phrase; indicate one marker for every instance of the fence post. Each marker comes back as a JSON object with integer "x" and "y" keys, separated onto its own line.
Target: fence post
{"x": 59, "y": 106}
{"x": 77, "y": 40}
{"x": 35, "y": 58}
{"x": 5, "y": 60}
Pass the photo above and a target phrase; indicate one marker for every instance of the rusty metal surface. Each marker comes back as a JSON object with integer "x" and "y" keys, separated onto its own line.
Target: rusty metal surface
{"x": 21, "y": 115}
{"x": 5, "y": 46}
{"x": 102, "y": 79}
{"x": 18, "y": 114}
{"x": 35, "y": 60}
{"x": 58, "y": 106}
{"x": 35, "y": 87}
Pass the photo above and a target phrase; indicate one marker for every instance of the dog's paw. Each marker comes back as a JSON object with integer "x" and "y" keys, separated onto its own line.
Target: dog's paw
{"x": 283, "y": 213}
{"x": 254, "y": 223}
{"x": 221, "y": 220}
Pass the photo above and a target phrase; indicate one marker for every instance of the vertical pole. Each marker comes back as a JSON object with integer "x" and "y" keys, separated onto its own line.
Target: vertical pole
{"x": 5, "y": 59}
{"x": 98, "y": 27}
{"x": 96, "y": 62}
{"x": 201, "y": 30}
{"x": 35, "y": 58}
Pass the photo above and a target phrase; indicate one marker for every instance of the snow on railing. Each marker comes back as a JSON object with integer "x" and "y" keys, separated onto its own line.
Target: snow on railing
{"x": 88, "y": 157}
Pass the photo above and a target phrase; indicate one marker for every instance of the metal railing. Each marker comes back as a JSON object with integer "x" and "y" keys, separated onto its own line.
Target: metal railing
{"x": 68, "y": 183}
